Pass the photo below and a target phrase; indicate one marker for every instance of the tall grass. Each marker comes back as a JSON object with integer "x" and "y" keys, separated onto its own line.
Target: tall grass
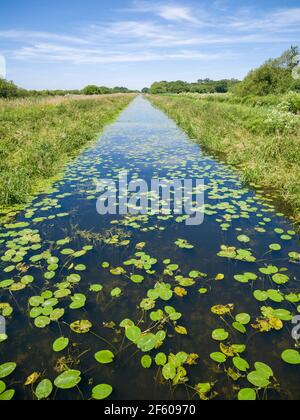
{"x": 262, "y": 142}
{"x": 37, "y": 136}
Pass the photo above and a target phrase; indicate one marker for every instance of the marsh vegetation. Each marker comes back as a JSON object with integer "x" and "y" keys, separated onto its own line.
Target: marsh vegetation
{"x": 38, "y": 136}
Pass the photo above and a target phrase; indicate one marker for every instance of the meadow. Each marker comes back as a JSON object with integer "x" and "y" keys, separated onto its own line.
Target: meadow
{"x": 39, "y": 135}
{"x": 258, "y": 135}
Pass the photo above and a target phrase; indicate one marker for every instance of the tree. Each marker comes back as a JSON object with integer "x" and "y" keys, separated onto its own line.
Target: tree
{"x": 9, "y": 90}
{"x": 91, "y": 90}
{"x": 273, "y": 77}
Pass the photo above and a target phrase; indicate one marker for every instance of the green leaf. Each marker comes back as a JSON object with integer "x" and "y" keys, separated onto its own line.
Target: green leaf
{"x": 243, "y": 319}
{"x": 115, "y": 293}
{"x": 101, "y": 392}
{"x": 258, "y": 379}
{"x": 218, "y": 357}
{"x": 260, "y": 296}
{"x": 292, "y": 357}
{"x": 247, "y": 394}
{"x": 241, "y": 364}
{"x": 264, "y": 369}
{"x": 239, "y": 327}
{"x": 147, "y": 342}
{"x": 137, "y": 279}
{"x": 96, "y": 288}
{"x": 42, "y": 322}
{"x": 133, "y": 333}
{"x": 275, "y": 247}
{"x": 160, "y": 359}
{"x": 7, "y": 369}
{"x": 68, "y": 379}
{"x": 60, "y": 344}
{"x": 7, "y": 395}
{"x": 169, "y": 371}
{"x": 146, "y": 362}
{"x": 243, "y": 238}
{"x": 104, "y": 357}
{"x": 220, "y": 335}
{"x": 44, "y": 389}
{"x": 2, "y": 387}
{"x": 280, "y": 279}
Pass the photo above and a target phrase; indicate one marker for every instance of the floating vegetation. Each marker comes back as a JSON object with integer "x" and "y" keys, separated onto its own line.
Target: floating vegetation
{"x": 103, "y": 305}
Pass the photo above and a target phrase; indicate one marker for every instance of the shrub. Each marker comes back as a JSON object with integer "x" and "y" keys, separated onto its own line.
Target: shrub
{"x": 273, "y": 77}
{"x": 9, "y": 89}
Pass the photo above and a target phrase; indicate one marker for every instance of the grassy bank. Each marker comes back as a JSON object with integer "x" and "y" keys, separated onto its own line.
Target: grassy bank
{"x": 37, "y": 136}
{"x": 263, "y": 142}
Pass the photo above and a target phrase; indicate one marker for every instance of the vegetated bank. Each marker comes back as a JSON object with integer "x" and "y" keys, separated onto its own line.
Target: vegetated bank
{"x": 255, "y": 127}
{"x": 262, "y": 141}
{"x": 38, "y": 136}
{"x": 9, "y": 90}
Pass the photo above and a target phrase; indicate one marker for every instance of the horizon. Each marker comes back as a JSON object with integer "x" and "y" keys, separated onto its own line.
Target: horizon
{"x": 68, "y": 45}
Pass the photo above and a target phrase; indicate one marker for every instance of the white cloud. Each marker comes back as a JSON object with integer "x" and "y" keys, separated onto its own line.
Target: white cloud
{"x": 53, "y": 52}
{"x": 284, "y": 20}
{"x": 35, "y": 35}
{"x": 170, "y": 12}
{"x": 176, "y": 13}
{"x": 153, "y": 39}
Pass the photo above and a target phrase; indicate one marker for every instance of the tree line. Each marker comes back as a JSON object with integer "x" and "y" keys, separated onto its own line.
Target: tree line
{"x": 8, "y": 89}
{"x": 201, "y": 86}
{"x": 276, "y": 76}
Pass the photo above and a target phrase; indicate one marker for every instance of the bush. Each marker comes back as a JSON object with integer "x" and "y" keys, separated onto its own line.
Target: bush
{"x": 273, "y": 77}
{"x": 293, "y": 103}
{"x": 9, "y": 89}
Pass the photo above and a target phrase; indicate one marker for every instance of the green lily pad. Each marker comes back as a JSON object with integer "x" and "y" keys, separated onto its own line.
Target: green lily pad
{"x": 146, "y": 362}
{"x": 241, "y": 364}
{"x": 7, "y": 369}
{"x": 44, "y": 389}
{"x": 60, "y": 344}
{"x": 101, "y": 392}
{"x": 104, "y": 357}
{"x": 292, "y": 357}
{"x": 68, "y": 380}
{"x": 137, "y": 278}
{"x": 220, "y": 335}
{"x": 218, "y": 357}
{"x": 247, "y": 394}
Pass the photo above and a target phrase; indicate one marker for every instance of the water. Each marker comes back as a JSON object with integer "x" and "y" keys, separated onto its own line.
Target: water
{"x": 147, "y": 144}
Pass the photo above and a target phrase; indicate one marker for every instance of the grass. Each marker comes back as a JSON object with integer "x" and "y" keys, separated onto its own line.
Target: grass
{"x": 263, "y": 142}
{"x": 38, "y": 136}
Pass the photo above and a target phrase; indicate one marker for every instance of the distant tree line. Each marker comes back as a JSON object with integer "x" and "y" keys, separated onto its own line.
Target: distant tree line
{"x": 276, "y": 76}
{"x": 201, "y": 86}
{"x": 9, "y": 90}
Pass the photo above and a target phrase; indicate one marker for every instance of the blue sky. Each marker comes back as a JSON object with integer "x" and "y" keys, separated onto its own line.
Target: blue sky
{"x": 71, "y": 43}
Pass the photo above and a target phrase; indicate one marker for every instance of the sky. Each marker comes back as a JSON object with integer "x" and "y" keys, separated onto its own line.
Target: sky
{"x": 68, "y": 44}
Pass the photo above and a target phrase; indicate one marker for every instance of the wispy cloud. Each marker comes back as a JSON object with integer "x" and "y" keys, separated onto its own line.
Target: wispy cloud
{"x": 32, "y": 36}
{"x": 156, "y": 31}
{"x": 283, "y": 20}
{"x": 80, "y": 56}
{"x": 167, "y": 11}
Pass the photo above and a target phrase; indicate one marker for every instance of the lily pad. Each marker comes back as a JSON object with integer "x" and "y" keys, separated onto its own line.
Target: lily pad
{"x": 220, "y": 335}
{"x": 101, "y": 392}
{"x": 44, "y": 389}
{"x": 247, "y": 394}
{"x": 292, "y": 357}
{"x": 7, "y": 369}
{"x": 68, "y": 380}
{"x": 60, "y": 344}
{"x": 104, "y": 357}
